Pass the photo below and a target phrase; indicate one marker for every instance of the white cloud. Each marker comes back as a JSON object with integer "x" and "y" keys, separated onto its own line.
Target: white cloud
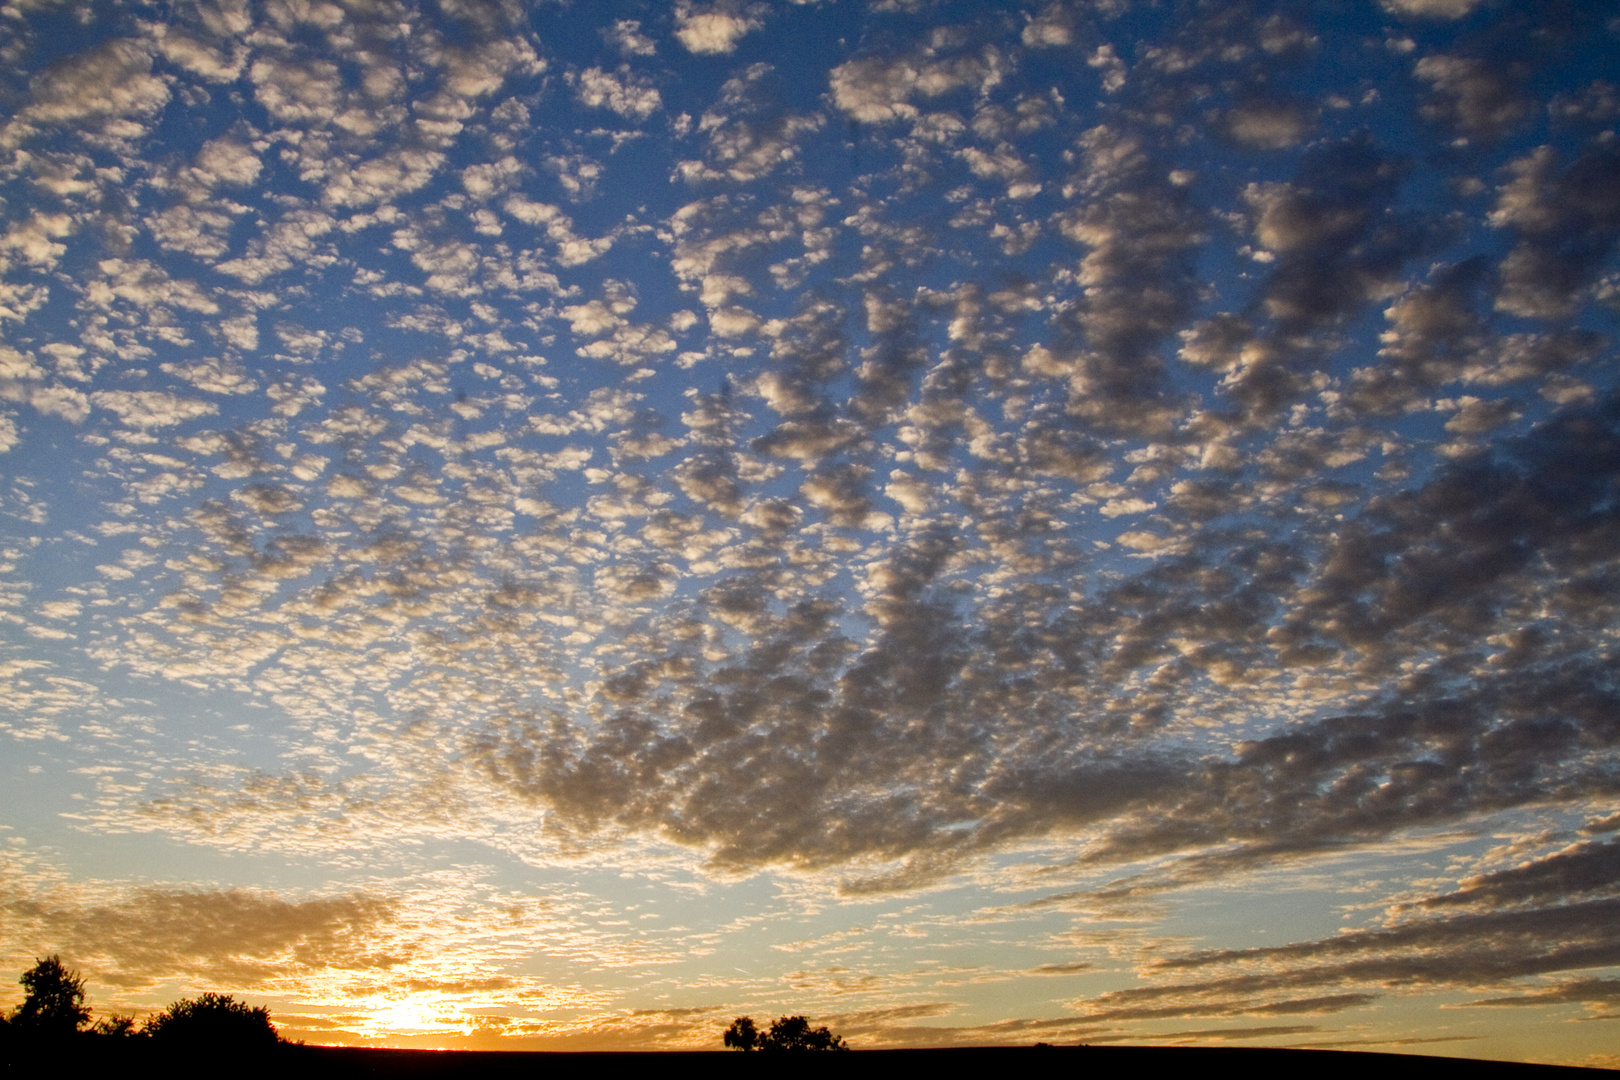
{"x": 716, "y": 28}
{"x": 187, "y": 51}
{"x": 35, "y": 241}
{"x": 1432, "y": 9}
{"x": 876, "y": 90}
{"x": 627, "y": 94}
{"x": 214, "y": 376}
{"x": 93, "y": 91}
{"x": 1267, "y": 125}
{"x": 151, "y": 408}
{"x": 627, "y": 35}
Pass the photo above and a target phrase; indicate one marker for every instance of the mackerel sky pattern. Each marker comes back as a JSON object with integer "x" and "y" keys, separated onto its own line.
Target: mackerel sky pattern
{"x": 551, "y": 526}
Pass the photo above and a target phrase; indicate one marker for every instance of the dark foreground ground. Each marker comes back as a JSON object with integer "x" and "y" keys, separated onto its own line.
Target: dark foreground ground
{"x": 138, "y": 1058}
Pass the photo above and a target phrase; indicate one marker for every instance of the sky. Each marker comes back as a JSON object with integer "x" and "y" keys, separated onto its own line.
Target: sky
{"x": 554, "y": 526}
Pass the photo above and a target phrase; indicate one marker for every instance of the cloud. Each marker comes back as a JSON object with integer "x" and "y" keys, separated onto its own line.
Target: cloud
{"x": 239, "y": 938}
{"x": 577, "y": 173}
{"x": 572, "y": 249}
{"x": 1566, "y": 223}
{"x": 877, "y": 89}
{"x": 23, "y": 380}
{"x": 1335, "y": 248}
{"x": 388, "y": 176}
{"x": 1597, "y": 994}
{"x": 95, "y": 91}
{"x": 1367, "y": 771}
{"x": 151, "y": 408}
{"x": 295, "y": 91}
{"x": 1473, "y": 96}
{"x": 627, "y": 36}
{"x": 628, "y": 95}
{"x": 716, "y": 28}
{"x": 1577, "y": 869}
{"x": 1460, "y": 950}
{"x": 1139, "y": 233}
{"x": 1052, "y": 28}
{"x": 1048, "y": 470}
{"x": 1431, "y": 9}
{"x": 35, "y": 242}
{"x": 194, "y": 54}
{"x": 748, "y": 136}
{"x": 1267, "y": 125}
{"x": 295, "y": 239}
{"x": 215, "y": 376}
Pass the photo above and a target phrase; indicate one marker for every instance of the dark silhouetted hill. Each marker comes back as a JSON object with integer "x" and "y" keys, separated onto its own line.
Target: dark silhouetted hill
{"x": 144, "y": 1056}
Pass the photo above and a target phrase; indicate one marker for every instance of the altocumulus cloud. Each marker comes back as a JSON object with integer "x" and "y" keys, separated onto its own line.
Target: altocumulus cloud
{"x": 1024, "y": 465}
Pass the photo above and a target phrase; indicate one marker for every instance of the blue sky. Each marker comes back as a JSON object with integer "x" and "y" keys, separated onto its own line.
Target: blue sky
{"x": 555, "y": 526}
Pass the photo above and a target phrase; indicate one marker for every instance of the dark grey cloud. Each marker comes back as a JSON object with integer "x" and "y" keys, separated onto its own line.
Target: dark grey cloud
{"x": 1139, "y": 233}
{"x": 1576, "y": 870}
{"x": 1566, "y": 221}
{"x": 1472, "y": 95}
{"x": 1339, "y": 241}
{"x": 1601, "y": 994}
{"x": 839, "y": 744}
{"x": 1490, "y": 948}
{"x": 1226, "y": 1034}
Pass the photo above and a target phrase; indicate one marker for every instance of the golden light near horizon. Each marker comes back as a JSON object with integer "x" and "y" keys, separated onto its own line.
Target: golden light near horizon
{"x": 555, "y": 526}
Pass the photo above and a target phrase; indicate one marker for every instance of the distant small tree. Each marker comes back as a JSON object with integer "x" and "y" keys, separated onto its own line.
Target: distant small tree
{"x": 54, "y": 1004}
{"x": 213, "y": 1021}
{"x": 742, "y": 1035}
{"x": 787, "y": 1033}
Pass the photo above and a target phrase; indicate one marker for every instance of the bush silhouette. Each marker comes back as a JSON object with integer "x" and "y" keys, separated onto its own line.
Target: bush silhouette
{"x": 787, "y": 1033}
{"x": 54, "y": 1005}
{"x": 115, "y": 1027}
{"x": 213, "y": 1021}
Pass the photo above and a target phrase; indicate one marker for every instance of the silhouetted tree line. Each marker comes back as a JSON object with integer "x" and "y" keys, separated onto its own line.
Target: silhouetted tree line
{"x": 786, "y": 1033}
{"x": 53, "y": 1014}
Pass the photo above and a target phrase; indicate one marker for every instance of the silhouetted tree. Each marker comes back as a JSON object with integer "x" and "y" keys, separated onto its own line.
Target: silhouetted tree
{"x": 115, "y": 1027}
{"x": 213, "y": 1021}
{"x": 742, "y": 1035}
{"x": 787, "y": 1033}
{"x": 54, "y": 1005}
{"x": 795, "y": 1033}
